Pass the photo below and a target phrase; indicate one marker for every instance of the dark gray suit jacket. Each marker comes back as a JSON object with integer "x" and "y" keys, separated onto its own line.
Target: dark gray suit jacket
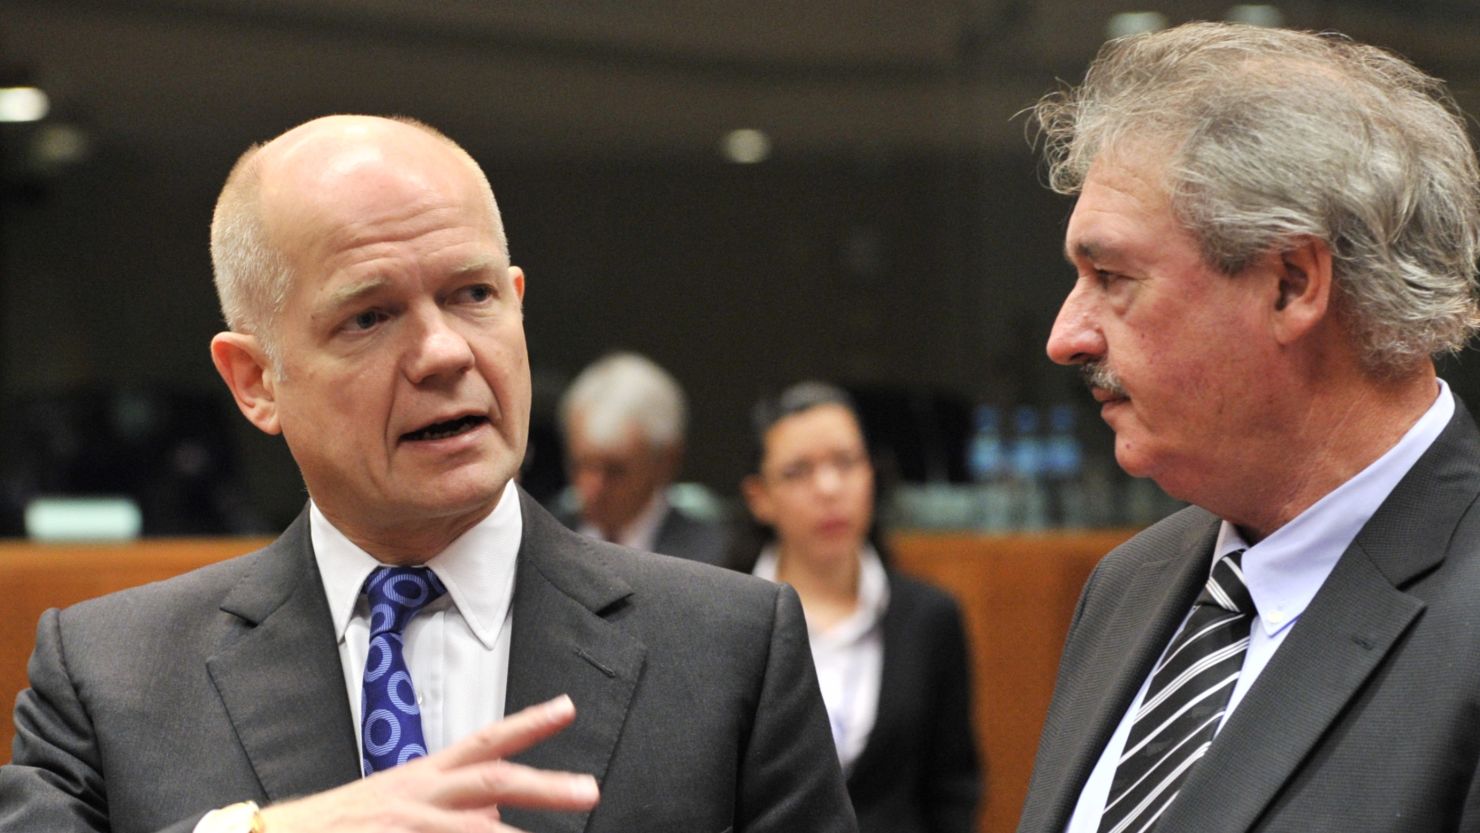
{"x": 685, "y": 536}
{"x": 697, "y": 703}
{"x": 680, "y": 535}
{"x": 918, "y": 771}
{"x": 1368, "y": 716}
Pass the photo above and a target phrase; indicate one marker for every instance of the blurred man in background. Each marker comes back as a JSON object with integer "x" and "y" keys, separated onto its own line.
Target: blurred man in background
{"x": 624, "y": 419}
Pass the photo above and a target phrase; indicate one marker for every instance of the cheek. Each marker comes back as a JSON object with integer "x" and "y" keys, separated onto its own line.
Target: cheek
{"x": 504, "y": 366}
{"x": 864, "y": 505}
{"x": 1158, "y": 367}
{"x": 789, "y": 514}
{"x": 508, "y": 354}
{"x": 586, "y": 483}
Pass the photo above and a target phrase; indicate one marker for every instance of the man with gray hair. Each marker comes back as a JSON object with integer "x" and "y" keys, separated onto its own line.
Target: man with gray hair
{"x": 1275, "y": 234}
{"x": 623, "y": 419}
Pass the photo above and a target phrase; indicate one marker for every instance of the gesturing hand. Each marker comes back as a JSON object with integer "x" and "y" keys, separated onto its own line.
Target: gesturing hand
{"x": 457, "y": 789}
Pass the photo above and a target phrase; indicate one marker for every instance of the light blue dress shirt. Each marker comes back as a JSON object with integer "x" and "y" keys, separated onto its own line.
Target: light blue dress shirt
{"x": 1283, "y": 573}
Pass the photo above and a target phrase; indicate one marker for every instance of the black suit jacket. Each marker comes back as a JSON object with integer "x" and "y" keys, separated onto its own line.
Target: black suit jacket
{"x": 1366, "y": 719}
{"x": 697, "y": 704}
{"x": 918, "y": 771}
{"x": 680, "y": 535}
{"x": 685, "y": 536}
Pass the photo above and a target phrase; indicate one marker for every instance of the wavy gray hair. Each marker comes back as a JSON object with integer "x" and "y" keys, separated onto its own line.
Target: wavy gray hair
{"x": 1270, "y": 135}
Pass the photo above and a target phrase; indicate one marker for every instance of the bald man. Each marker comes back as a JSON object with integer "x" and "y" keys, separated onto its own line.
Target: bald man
{"x": 357, "y": 671}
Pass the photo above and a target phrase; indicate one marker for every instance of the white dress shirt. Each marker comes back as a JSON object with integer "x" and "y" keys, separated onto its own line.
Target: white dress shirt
{"x": 1283, "y": 573}
{"x": 457, "y": 647}
{"x": 642, "y": 533}
{"x": 849, "y": 656}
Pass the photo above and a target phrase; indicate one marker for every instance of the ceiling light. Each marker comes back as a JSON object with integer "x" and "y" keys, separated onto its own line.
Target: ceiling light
{"x": 55, "y": 146}
{"x": 18, "y": 104}
{"x": 745, "y": 146}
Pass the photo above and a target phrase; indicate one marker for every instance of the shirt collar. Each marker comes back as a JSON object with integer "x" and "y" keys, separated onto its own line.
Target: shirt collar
{"x": 1284, "y": 571}
{"x": 478, "y": 568}
{"x": 873, "y": 595}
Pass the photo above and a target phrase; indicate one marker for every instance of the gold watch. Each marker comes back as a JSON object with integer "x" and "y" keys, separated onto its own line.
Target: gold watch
{"x": 243, "y": 817}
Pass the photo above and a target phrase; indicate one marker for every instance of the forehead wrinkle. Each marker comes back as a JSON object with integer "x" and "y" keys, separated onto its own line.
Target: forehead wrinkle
{"x": 347, "y": 295}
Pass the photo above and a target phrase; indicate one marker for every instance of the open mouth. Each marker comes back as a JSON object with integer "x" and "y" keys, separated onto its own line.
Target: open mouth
{"x": 443, "y": 430}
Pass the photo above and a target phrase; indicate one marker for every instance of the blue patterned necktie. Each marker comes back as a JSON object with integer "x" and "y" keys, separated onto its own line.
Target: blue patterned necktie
{"x": 390, "y": 723}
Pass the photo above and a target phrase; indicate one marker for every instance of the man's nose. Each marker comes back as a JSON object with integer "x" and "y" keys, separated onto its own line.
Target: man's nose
{"x": 1076, "y": 337}
{"x": 439, "y": 349}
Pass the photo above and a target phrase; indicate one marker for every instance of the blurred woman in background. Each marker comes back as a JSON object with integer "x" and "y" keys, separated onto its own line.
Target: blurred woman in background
{"x": 890, "y": 651}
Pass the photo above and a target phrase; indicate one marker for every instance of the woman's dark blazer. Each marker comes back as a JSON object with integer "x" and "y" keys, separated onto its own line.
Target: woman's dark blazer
{"x": 918, "y": 772}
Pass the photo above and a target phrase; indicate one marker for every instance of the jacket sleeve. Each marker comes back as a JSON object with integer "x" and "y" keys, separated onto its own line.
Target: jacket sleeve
{"x": 54, "y": 781}
{"x": 790, "y": 779}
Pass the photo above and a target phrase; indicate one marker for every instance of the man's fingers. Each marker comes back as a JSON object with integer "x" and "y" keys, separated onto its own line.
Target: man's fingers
{"x": 514, "y": 785}
{"x": 509, "y": 736}
{"x": 473, "y": 774}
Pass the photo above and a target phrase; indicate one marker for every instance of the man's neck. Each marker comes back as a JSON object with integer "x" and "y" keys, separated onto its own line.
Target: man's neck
{"x": 1336, "y": 437}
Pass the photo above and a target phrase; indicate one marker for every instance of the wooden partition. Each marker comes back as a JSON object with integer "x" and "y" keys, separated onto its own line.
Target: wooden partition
{"x": 1017, "y": 594}
{"x": 35, "y": 577}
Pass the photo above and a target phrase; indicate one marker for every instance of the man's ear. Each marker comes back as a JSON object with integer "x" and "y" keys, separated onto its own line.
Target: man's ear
{"x": 245, "y": 368}
{"x": 757, "y": 499}
{"x": 516, "y": 275}
{"x": 1303, "y": 288}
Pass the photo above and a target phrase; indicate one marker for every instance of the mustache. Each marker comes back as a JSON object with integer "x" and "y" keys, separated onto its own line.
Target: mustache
{"x": 1098, "y": 375}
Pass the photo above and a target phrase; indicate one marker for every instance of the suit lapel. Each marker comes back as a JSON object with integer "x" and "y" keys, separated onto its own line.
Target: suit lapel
{"x": 561, "y": 644}
{"x": 1120, "y": 653}
{"x": 1351, "y": 625}
{"x": 280, "y": 679}
{"x": 1348, "y": 629}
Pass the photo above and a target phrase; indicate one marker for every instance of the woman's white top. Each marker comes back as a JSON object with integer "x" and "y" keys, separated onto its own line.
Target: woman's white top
{"x": 849, "y": 656}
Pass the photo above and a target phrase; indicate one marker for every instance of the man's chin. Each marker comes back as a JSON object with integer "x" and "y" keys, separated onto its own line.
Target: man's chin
{"x": 1177, "y": 478}
{"x": 1131, "y": 459}
{"x": 467, "y": 490}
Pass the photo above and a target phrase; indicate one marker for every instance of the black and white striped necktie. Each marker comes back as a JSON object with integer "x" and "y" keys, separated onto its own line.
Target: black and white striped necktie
{"x": 1184, "y": 703}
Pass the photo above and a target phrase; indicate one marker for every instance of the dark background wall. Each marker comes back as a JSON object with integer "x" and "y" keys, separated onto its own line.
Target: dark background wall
{"x": 737, "y": 279}
{"x": 898, "y": 239}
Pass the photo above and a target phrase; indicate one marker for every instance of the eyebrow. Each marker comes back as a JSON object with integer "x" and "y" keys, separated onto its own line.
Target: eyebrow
{"x": 476, "y": 265}
{"x": 348, "y": 295}
{"x": 1087, "y": 250}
